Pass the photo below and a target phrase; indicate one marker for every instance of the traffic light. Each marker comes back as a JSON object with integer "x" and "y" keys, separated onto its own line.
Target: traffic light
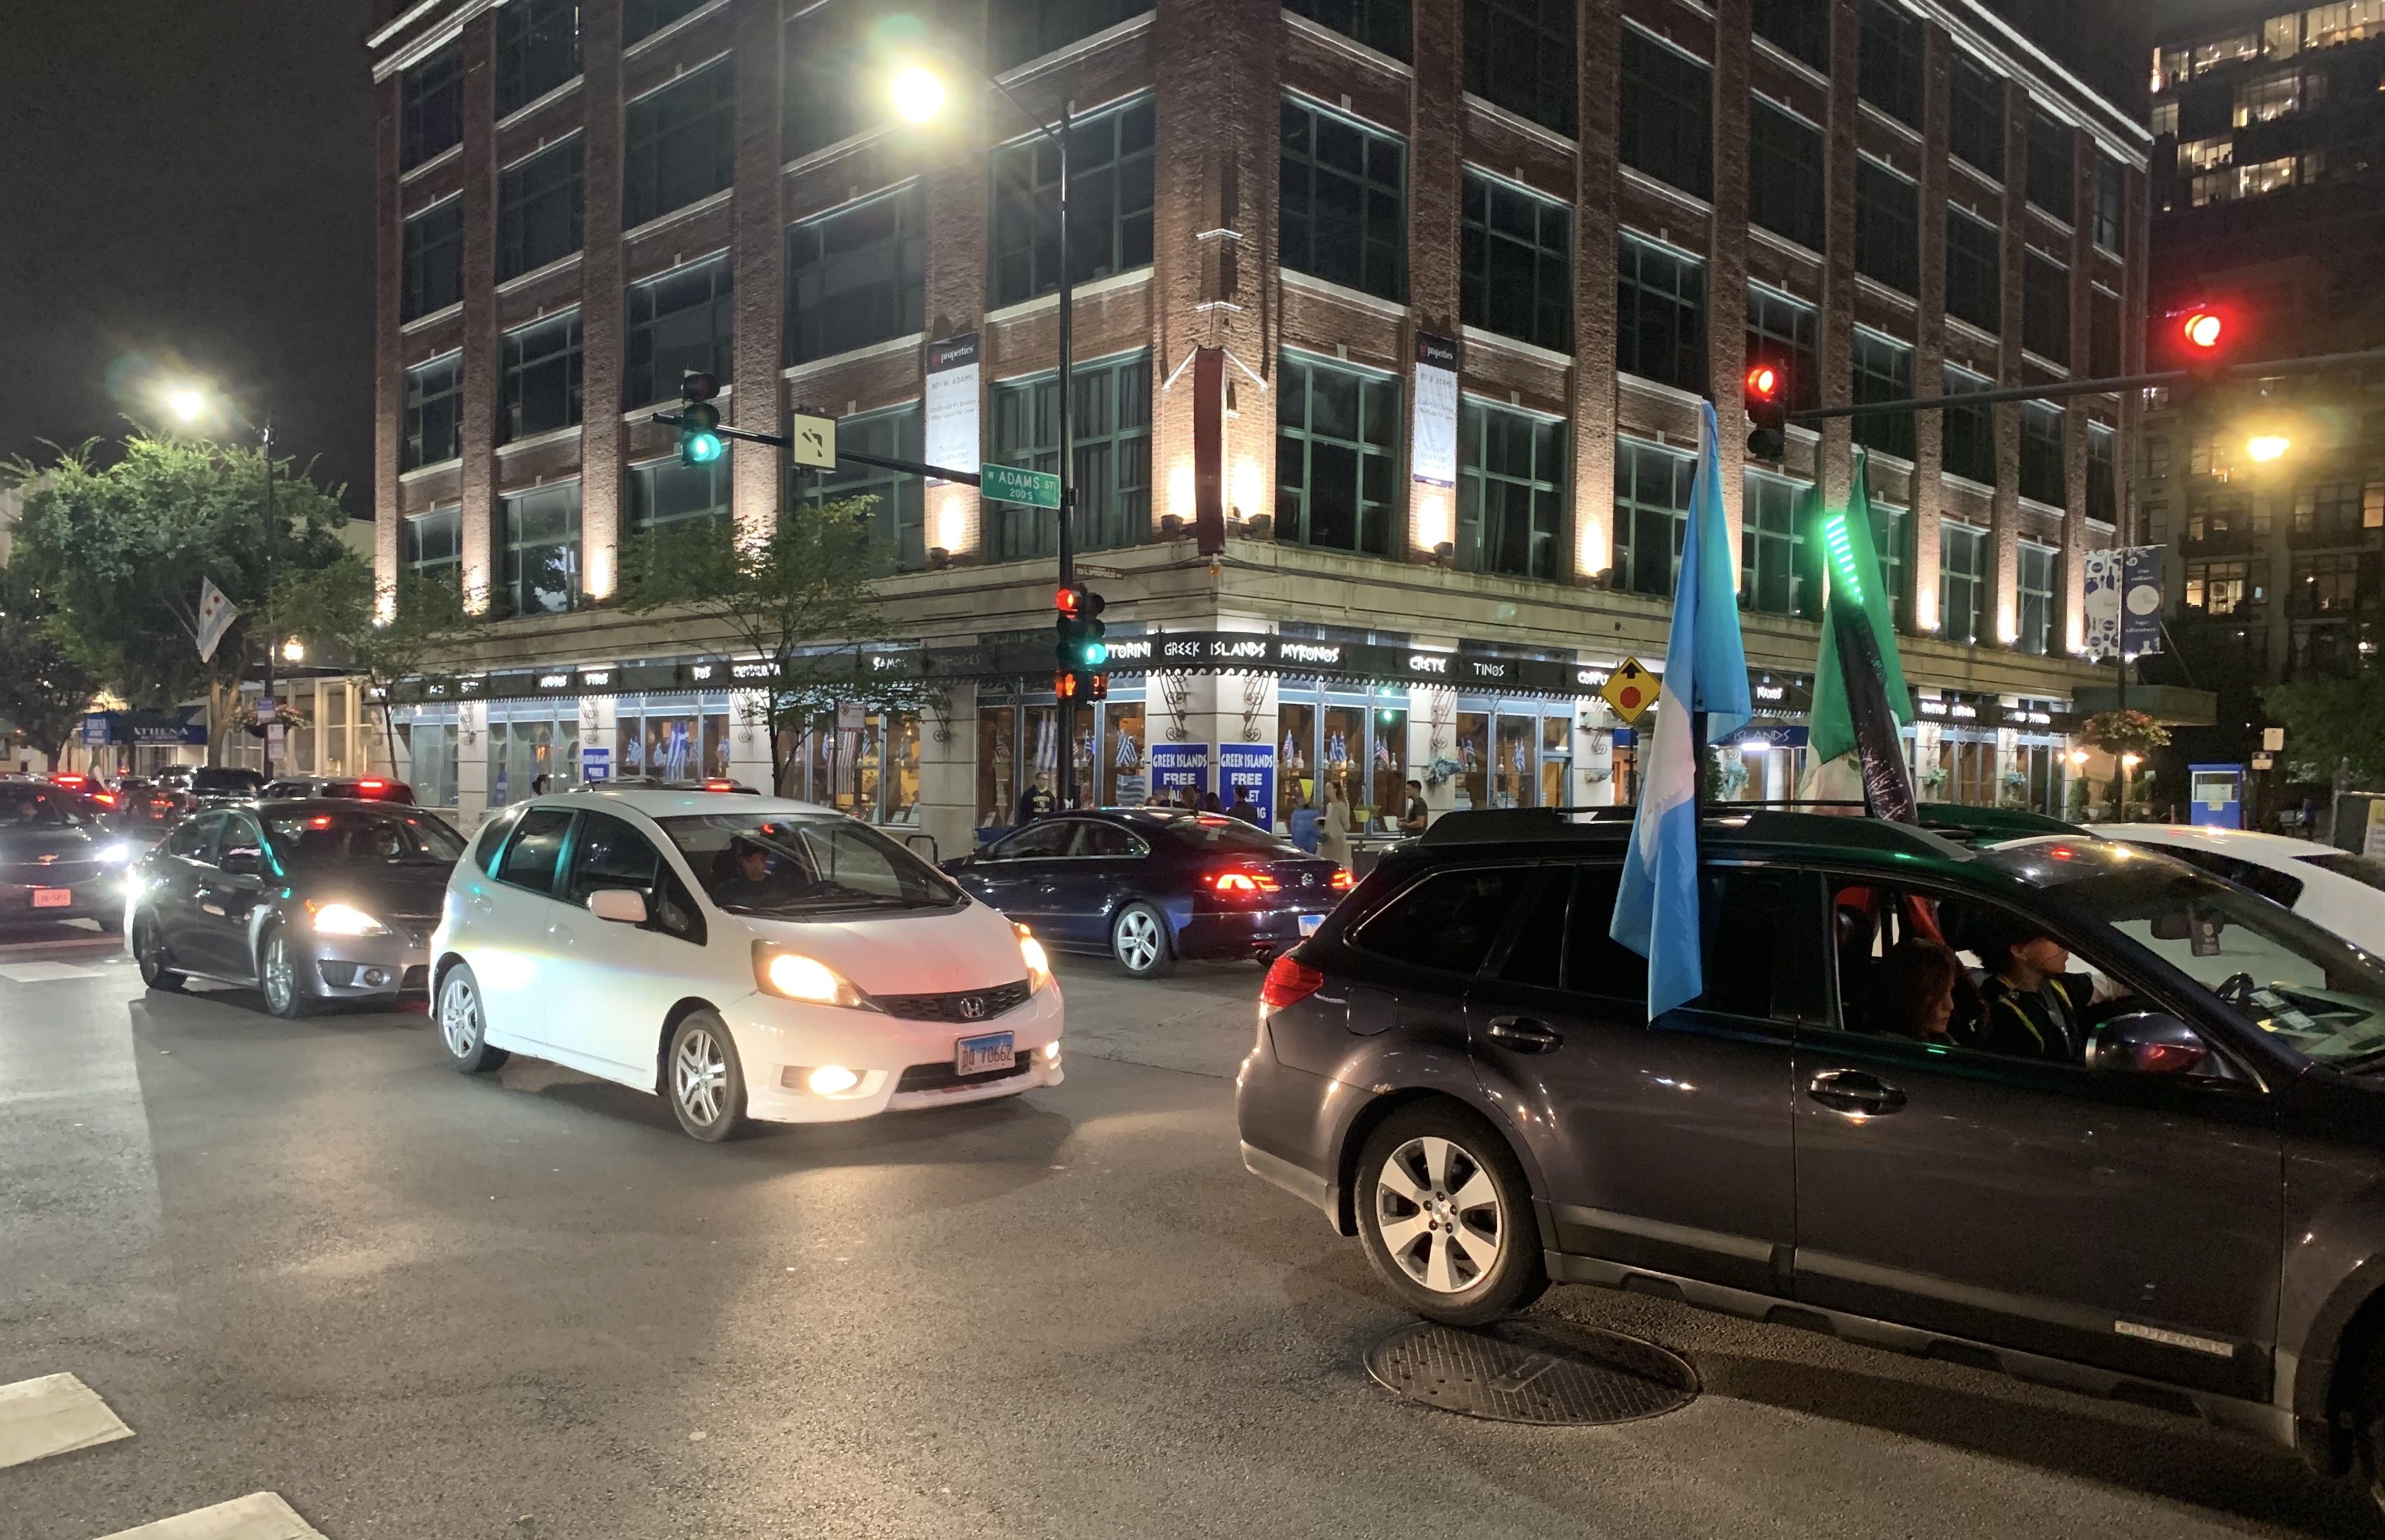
{"x": 1079, "y": 630}
{"x": 699, "y": 420}
{"x": 1768, "y": 411}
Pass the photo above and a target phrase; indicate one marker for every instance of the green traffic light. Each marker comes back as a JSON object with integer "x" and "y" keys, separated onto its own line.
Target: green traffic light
{"x": 1096, "y": 652}
{"x": 700, "y": 449}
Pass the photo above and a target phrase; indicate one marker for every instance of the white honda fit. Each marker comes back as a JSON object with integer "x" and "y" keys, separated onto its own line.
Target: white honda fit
{"x": 746, "y": 957}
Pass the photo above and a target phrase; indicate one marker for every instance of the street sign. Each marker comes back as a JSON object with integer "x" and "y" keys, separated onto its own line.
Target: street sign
{"x": 2273, "y": 739}
{"x": 1631, "y": 690}
{"x": 2263, "y": 762}
{"x": 1036, "y": 488}
{"x": 814, "y": 441}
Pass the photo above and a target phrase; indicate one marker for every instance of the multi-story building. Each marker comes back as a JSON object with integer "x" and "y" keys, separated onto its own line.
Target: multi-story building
{"x": 2269, "y": 186}
{"x": 1595, "y": 212}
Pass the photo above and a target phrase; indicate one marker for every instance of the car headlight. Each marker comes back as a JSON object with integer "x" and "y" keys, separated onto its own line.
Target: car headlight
{"x": 340, "y": 919}
{"x": 792, "y": 976}
{"x": 116, "y": 854}
{"x": 1039, "y": 964}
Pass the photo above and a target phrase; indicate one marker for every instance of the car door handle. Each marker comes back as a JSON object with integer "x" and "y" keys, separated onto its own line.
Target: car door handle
{"x": 1855, "y": 1092}
{"x": 1524, "y": 1035}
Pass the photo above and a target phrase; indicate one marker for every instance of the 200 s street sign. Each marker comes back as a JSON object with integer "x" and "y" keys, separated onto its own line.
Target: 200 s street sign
{"x": 1037, "y": 488}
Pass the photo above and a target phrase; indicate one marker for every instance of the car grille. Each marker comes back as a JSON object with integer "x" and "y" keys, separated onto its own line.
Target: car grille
{"x": 942, "y": 1077}
{"x": 954, "y": 1007}
{"x": 57, "y": 874}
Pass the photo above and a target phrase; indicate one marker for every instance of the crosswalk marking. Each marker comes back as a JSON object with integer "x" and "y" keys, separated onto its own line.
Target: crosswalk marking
{"x": 51, "y": 1416}
{"x": 44, "y": 973}
{"x": 259, "y": 1516}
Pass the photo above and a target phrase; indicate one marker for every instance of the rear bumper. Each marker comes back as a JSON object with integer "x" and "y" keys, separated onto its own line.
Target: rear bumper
{"x": 1239, "y": 933}
{"x": 1292, "y": 1124}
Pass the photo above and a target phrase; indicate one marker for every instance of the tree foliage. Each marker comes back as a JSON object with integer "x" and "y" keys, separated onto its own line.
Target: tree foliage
{"x": 336, "y": 612}
{"x": 43, "y": 690}
{"x": 2125, "y": 732}
{"x": 2328, "y": 721}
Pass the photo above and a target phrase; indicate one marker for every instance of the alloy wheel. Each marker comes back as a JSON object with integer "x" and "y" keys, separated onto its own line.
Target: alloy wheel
{"x": 281, "y": 974}
{"x": 1439, "y": 1213}
{"x": 149, "y": 949}
{"x": 700, "y": 1076}
{"x": 459, "y": 1018}
{"x": 1138, "y": 939}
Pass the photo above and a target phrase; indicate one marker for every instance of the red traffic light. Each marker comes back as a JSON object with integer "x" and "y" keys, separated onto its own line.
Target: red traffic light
{"x": 1069, "y": 601}
{"x": 1764, "y": 383}
{"x": 697, "y": 387}
{"x": 2204, "y": 330}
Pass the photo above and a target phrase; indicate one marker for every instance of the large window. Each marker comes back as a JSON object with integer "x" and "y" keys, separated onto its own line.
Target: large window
{"x": 2037, "y": 566}
{"x": 1518, "y": 277}
{"x": 858, "y": 276}
{"x": 1511, "y": 478}
{"x": 1883, "y": 372}
{"x": 2217, "y": 588}
{"x": 2045, "y": 308}
{"x": 827, "y": 97}
{"x": 644, "y": 17}
{"x": 1651, "y": 507}
{"x": 429, "y": 545}
{"x": 1109, "y": 204}
{"x": 1974, "y": 271}
{"x": 1785, "y": 333}
{"x": 434, "y": 412}
{"x": 1023, "y": 29}
{"x": 1519, "y": 53}
{"x": 430, "y": 108}
{"x": 1962, "y": 580}
{"x": 2051, "y": 186}
{"x": 539, "y": 377}
{"x": 1111, "y": 424}
{"x": 678, "y": 322}
{"x": 1969, "y": 444}
{"x": 1772, "y": 570}
{"x": 1666, "y": 126}
{"x": 2042, "y": 477}
{"x": 2330, "y": 511}
{"x": 433, "y": 260}
{"x": 541, "y": 550}
{"x": 1337, "y": 436}
{"x": 538, "y": 49}
{"x": 664, "y": 494}
{"x": 1887, "y": 244}
{"x": 1381, "y": 25}
{"x": 676, "y": 144}
{"x": 1975, "y": 128}
{"x": 2102, "y": 473}
{"x": 897, "y": 513}
{"x": 1661, "y": 315}
{"x": 2277, "y": 93}
{"x": 2103, "y": 333}
{"x": 1800, "y": 28}
{"x": 1784, "y": 174}
{"x": 538, "y": 209}
{"x": 1891, "y": 541}
{"x": 1891, "y": 67}
{"x": 2111, "y": 202}
{"x": 1344, "y": 215}
{"x": 2323, "y": 585}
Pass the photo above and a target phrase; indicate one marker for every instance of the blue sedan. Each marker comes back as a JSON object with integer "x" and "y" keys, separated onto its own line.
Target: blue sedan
{"x": 1149, "y": 886}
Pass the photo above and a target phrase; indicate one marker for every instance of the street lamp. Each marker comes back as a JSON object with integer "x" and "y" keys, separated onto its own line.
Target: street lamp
{"x": 189, "y": 404}
{"x": 293, "y": 651}
{"x": 2266, "y": 447}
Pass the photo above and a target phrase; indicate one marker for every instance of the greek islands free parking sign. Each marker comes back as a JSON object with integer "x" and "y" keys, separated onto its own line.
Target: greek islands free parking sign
{"x": 1179, "y": 767}
{"x": 1250, "y": 765}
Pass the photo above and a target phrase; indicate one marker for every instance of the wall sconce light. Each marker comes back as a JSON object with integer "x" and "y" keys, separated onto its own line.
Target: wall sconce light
{"x": 1170, "y": 527}
{"x": 939, "y": 558}
{"x": 1445, "y": 554}
{"x": 1261, "y": 526}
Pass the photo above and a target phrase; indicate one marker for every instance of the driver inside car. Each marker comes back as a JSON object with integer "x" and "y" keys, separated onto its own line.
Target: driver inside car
{"x": 2035, "y": 1007}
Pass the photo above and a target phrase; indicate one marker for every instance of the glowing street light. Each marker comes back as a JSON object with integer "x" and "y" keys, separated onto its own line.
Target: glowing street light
{"x": 919, "y": 93}
{"x": 2077, "y": 758}
{"x": 188, "y": 403}
{"x": 2266, "y": 447}
{"x": 293, "y": 651}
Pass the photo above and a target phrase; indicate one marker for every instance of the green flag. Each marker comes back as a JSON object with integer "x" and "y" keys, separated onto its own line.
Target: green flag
{"x": 1846, "y": 553}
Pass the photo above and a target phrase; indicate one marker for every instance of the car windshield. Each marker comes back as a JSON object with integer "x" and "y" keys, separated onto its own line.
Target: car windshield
{"x": 213, "y": 779}
{"x": 2320, "y": 996}
{"x": 1211, "y": 831}
{"x": 796, "y": 866}
{"x": 2365, "y": 870}
{"x": 22, "y": 806}
{"x": 309, "y": 839}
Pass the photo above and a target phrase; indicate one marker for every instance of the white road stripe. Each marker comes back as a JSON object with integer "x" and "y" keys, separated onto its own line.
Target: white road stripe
{"x": 259, "y": 1516}
{"x": 44, "y": 973}
{"x": 51, "y": 1416}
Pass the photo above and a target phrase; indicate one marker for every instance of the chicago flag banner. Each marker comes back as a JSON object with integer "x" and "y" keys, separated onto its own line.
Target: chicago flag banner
{"x": 216, "y": 615}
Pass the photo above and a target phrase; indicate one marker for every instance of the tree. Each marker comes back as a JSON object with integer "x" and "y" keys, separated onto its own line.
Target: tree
{"x": 336, "y": 613}
{"x": 126, "y": 546}
{"x": 800, "y": 598}
{"x": 42, "y": 689}
{"x": 2120, "y": 734}
{"x": 2330, "y": 722}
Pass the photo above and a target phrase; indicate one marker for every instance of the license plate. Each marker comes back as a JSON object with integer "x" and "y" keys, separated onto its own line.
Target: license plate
{"x": 53, "y": 898}
{"x": 1308, "y": 924}
{"x": 977, "y": 1055}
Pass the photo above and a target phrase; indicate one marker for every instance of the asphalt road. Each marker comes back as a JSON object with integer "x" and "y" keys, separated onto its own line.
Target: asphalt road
{"x": 310, "y": 1260}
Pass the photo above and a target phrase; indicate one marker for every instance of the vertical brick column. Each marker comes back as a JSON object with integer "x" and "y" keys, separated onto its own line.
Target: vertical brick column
{"x": 1835, "y": 464}
{"x": 389, "y": 343}
{"x": 2003, "y": 540}
{"x": 1928, "y": 499}
{"x": 483, "y": 564}
{"x": 1596, "y": 232}
{"x": 759, "y": 255}
{"x": 2134, "y": 229}
{"x": 1726, "y": 257}
{"x": 1436, "y": 223}
{"x": 600, "y": 311}
{"x": 959, "y": 198}
{"x": 2069, "y": 591}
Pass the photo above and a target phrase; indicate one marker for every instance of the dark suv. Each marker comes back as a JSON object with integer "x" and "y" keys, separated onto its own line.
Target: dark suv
{"x": 2170, "y": 1186}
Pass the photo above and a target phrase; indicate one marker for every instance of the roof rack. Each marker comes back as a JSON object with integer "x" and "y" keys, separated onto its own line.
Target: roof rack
{"x": 1742, "y": 822}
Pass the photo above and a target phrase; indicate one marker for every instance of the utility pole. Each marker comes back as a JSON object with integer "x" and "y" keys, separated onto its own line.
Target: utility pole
{"x": 1068, "y": 517}
{"x": 264, "y": 437}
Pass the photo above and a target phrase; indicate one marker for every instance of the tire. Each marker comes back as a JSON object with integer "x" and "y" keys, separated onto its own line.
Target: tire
{"x": 1446, "y": 1216}
{"x": 703, "y": 1080}
{"x": 1141, "y": 942}
{"x": 279, "y": 979}
{"x": 463, "y": 1022}
{"x": 150, "y": 952}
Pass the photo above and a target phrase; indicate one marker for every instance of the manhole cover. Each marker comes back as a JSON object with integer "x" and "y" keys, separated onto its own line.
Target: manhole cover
{"x": 1532, "y": 1372}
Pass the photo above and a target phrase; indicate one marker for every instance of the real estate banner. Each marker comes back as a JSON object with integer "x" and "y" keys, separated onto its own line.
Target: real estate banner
{"x": 953, "y": 436}
{"x": 1432, "y": 430}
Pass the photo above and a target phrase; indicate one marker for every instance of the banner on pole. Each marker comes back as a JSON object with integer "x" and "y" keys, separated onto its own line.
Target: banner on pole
{"x": 952, "y": 436}
{"x": 1432, "y": 427}
{"x": 216, "y": 615}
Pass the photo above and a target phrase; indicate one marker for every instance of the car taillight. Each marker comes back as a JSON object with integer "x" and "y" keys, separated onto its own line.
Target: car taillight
{"x": 720, "y": 785}
{"x": 1342, "y": 880}
{"x": 1289, "y": 981}
{"x": 105, "y": 798}
{"x": 1241, "y": 883}
{"x": 372, "y": 786}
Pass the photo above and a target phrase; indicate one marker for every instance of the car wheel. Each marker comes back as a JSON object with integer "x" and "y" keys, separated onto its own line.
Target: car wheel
{"x": 1446, "y": 1217}
{"x": 706, "y": 1084}
{"x": 277, "y": 978}
{"x": 1141, "y": 943}
{"x": 464, "y": 1023}
{"x": 149, "y": 952}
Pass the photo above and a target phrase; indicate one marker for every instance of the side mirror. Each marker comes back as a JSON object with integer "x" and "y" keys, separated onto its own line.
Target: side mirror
{"x": 621, "y": 905}
{"x": 244, "y": 861}
{"x": 2146, "y": 1042}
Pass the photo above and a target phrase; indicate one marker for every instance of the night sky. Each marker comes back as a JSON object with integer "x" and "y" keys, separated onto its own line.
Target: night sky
{"x": 189, "y": 183}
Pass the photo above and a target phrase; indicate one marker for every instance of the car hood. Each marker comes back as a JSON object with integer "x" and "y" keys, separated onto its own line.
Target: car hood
{"x": 27, "y": 843}
{"x": 932, "y": 954}
{"x": 381, "y": 891}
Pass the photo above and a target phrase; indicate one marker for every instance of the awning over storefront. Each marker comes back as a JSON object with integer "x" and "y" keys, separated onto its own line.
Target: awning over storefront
{"x": 186, "y": 727}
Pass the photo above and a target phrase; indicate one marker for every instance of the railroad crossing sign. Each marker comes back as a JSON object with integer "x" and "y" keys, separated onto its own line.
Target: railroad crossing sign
{"x": 812, "y": 441}
{"x": 1036, "y": 488}
{"x": 1631, "y": 690}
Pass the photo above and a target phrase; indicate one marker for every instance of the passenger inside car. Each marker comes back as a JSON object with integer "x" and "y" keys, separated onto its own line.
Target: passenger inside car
{"x": 2036, "y": 1008}
{"x": 1912, "y": 991}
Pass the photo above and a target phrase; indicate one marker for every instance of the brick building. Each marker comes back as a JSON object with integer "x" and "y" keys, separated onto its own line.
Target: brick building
{"x": 1602, "y": 206}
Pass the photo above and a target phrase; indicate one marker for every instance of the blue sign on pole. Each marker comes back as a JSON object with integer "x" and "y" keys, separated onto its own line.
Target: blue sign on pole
{"x": 595, "y": 763}
{"x": 1177, "y": 768}
{"x": 2140, "y": 600}
{"x": 1250, "y": 765}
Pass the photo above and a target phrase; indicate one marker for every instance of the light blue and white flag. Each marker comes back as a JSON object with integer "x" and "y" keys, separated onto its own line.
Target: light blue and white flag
{"x": 1706, "y": 670}
{"x": 216, "y": 615}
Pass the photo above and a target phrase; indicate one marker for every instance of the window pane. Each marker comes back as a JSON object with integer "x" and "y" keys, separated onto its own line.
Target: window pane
{"x": 539, "y": 377}
{"x": 1887, "y": 241}
{"x": 1518, "y": 264}
{"x": 1519, "y": 53}
{"x": 1884, "y": 372}
{"x": 1510, "y": 483}
{"x": 2041, "y": 475}
{"x": 1344, "y": 201}
{"x": 2045, "y": 310}
{"x": 434, "y": 395}
{"x": 1110, "y": 183}
{"x": 538, "y": 49}
{"x": 1448, "y": 922}
{"x": 1784, "y": 186}
{"x": 433, "y": 257}
{"x": 1334, "y": 482}
{"x": 897, "y": 515}
{"x": 858, "y": 276}
{"x": 1801, "y": 27}
{"x": 430, "y": 115}
{"x": 676, "y": 144}
{"x": 1381, "y": 25}
{"x": 1970, "y": 445}
{"x": 678, "y": 322}
{"x": 1111, "y": 425}
{"x": 1976, "y": 129}
{"x": 1023, "y": 29}
{"x": 1651, "y": 505}
{"x": 1891, "y": 68}
{"x": 640, "y": 18}
{"x": 538, "y": 209}
{"x": 1784, "y": 333}
{"x": 2051, "y": 186}
{"x": 1974, "y": 271}
{"x": 1667, "y": 112}
{"x": 1661, "y": 315}
{"x": 540, "y": 538}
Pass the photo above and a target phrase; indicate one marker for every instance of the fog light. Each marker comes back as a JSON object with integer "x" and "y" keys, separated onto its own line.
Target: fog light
{"x": 375, "y": 977}
{"x": 1051, "y": 1051}
{"x": 831, "y": 1080}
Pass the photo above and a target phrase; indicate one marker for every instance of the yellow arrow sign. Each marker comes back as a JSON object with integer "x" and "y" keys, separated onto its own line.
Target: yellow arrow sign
{"x": 1631, "y": 690}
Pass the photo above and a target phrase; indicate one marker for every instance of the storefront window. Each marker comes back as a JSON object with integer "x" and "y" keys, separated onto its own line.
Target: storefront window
{"x": 1389, "y": 798}
{"x": 335, "y": 718}
{"x": 836, "y": 754}
{"x": 1343, "y": 751}
{"x": 997, "y": 766}
{"x": 1513, "y": 777}
{"x": 899, "y": 749}
{"x": 1126, "y": 772}
{"x": 1296, "y": 759}
{"x": 1472, "y": 752}
{"x": 1556, "y": 761}
{"x": 429, "y": 750}
{"x": 1039, "y": 746}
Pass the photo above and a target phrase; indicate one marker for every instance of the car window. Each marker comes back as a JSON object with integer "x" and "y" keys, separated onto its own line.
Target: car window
{"x": 2365, "y": 870}
{"x": 2273, "y": 885}
{"x": 240, "y": 836}
{"x": 197, "y": 838}
{"x": 217, "y": 780}
{"x": 1754, "y": 957}
{"x": 1448, "y": 921}
{"x": 1094, "y": 838}
{"x": 493, "y": 839}
{"x": 610, "y": 852}
{"x": 801, "y": 867}
{"x": 1047, "y": 838}
{"x": 1212, "y": 831}
{"x": 530, "y": 855}
{"x": 22, "y": 805}
{"x": 308, "y": 840}
{"x": 1537, "y": 954}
